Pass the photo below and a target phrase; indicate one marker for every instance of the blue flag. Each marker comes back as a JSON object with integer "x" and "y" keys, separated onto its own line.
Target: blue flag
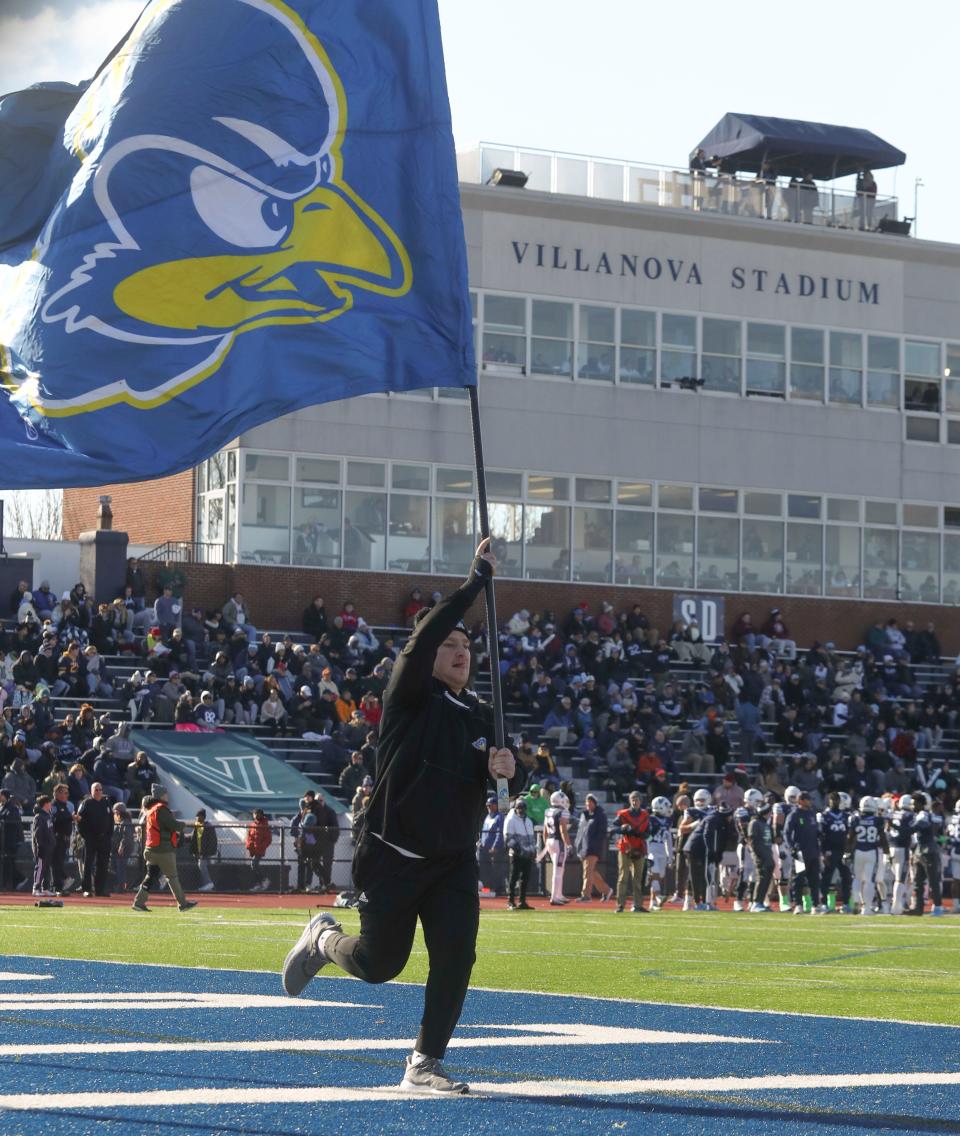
{"x": 253, "y": 207}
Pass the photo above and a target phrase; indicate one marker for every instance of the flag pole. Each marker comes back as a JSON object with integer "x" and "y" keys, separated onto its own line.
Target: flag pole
{"x": 493, "y": 640}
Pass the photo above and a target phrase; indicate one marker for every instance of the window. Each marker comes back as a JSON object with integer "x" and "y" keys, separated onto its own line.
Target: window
{"x": 843, "y": 561}
{"x": 414, "y": 477}
{"x": 923, "y": 429}
{"x": 843, "y": 509}
{"x": 545, "y": 488}
{"x": 674, "y": 551}
{"x": 920, "y": 567}
{"x": 678, "y": 353}
{"x": 720, "y": 369}
{"x": 366, "y": 474}
{"x": 675, "y": 497}
{"x": 762, "y": 556}
{"x": 265, "y": 523}
{"x": 718, "y": 500}
{"x": 762, "y": 504}
{"x": 634, "y": 493}
{"x": 880, "y": 559}
{"x": 552, "y": 345}
{"x": 408, "y": 534}
{"x": 952, "y": 377}
{"x": 638, "y": 347}
{"x": 804, "y": 559}
{"x": 922, "y": 378}
{"x": 883, "y": 371}
{"x": 454, "y": 539}
{"x": 881, "y": 512}
{"x": 951, "y": 566}
{"x": 804, "y": 506}
{"x": 766, "y": 358}
{"x": 316, "y": 527}
{"x": 506, "y": 532}
{"x": 504, "y": 332}
{"x": 806, "y": 363}
{"x": 846, "y": 367}
{"x": 595, "y": 354}
{"x": 321, "y": 471}
{"x": 504, "y": 484}
{"x": 262, "y": 467}
{"x": 593, "y": 489}
{"x": 634, "y": 548}
{"x": 921, "y": 516}
{"x": 718, "y": 544}
{"x": 547, "y": 542}
{"x": 454, "y": 480}
{"x": 592, "y": 544}
{"x": 365, "y": 531}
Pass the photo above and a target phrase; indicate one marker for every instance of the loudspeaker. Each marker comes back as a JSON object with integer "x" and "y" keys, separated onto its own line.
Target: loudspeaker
{"x": 516, "y": 179}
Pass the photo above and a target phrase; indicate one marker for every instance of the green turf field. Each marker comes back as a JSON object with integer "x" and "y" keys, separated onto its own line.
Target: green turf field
{"x": 845, "y": 965}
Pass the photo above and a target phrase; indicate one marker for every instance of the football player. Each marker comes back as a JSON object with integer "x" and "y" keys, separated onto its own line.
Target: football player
{"x": 866, "y": 841}
{"x": 953, "y": 851}
{"x": 695, "y": 849}
{"x": 752, "y": 801}
{"x": 781, "y": 812}
{"x": 925, "y": 854}
{"x": 760, "y": 842}
{"x": 834, "y": 824}
{"x": 900, "y": 832}
{"x": 659, "y": 848}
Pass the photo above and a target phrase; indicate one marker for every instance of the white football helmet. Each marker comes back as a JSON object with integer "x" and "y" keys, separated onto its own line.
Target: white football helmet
{"x": 753, "y": 798}
{"x": 884, "y": 806}
{"x": 702, "y": 798}
{"x": 906, "y": 803}
{"x": 956, "y": 807}
{"x": 846, "y": 802}
{"x": 868, "y": 804}
{"x": 662, "y": 807}
{"x": 791, "y": 794}
{"x": 559, "y": 800}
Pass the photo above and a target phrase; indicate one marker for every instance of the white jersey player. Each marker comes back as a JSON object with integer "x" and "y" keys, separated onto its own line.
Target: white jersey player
{"x": 659, "y": 848}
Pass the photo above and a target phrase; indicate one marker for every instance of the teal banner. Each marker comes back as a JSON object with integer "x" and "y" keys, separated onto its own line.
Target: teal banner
{"x": 228, "y": 772}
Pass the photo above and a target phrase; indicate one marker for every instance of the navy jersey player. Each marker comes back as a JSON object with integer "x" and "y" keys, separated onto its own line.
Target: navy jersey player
{"x": 834, "y": 826}
{"x": 752, "y": 800}
{"x": 659, "y": 848}
{"x": 868, "y": 843}
{"x": 779, "y": 817}
{"x": 899, "y": 836}
{"x": 695, "y": 849}
{"x": 953, "y": 852}
{"x": 925, "y": 854}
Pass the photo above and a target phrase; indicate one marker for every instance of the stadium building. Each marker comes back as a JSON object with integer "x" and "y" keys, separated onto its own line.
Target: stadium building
{"x": 689, "y": 384}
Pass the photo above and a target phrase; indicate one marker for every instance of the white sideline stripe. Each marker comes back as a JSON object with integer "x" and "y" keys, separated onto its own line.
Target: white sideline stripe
{"x": 161, "y": 1098}
{"x": 14, "y": 976}
{"x": 549, "y": 1034}
{"x": 175, "y": 1000}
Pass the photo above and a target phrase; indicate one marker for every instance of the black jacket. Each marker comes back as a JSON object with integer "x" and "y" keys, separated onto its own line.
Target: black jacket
{"x": 432, "y": 779}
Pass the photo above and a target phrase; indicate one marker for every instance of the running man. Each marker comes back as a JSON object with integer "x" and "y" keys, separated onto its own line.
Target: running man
{"x": 416, "y": 853}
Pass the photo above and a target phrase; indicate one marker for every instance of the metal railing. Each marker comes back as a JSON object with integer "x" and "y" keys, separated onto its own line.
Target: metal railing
{"x": 186, "y": 552}
{"x": 707, "y": 191}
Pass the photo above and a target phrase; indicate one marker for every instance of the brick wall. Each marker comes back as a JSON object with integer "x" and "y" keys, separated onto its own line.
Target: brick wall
{"x": 149, "y": 512}
{"x": 277, "y": 596}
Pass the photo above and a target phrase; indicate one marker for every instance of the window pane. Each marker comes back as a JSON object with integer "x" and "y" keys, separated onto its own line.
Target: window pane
{"x": 548, "y": 488}
{"x": 883, "y": 389}
{"x": 316, "y": 527}
{"x": 920, "y": 567}
{"x": 553, "y": 319}
{"x": 410, "y": 477}
{"x": 679, "y": 331}
{"x": 846, "y": 363}
{"x": 922, "y": 516}
{"x": 551, "y": 357}
{"x": 718, "y": 543}
{"x": 674, "y": 551}
{"x": 843, "y": 561}
{"x": 638, "y": 365}
{"x": 231, "y": 465}
{"x": 592, "y": 544}
{"x": 921, "y": 395}
{"x": 953, "y": 360}
{"x": 454, "y": 480}
{"x": 804, "y": 560}
{"x": 806, "y": 382}
{"x": 951, "y": 568}
{"x": 504, "y": 350}
{"x": 505, "y": 314}
{"x": 324, "y": 471}
{"x": 879, "y": 564}
{"x": 806, "y": 345}
{"x": 842, "y": 509}
{"x": 677, "y": 365}
{"x": 766, "y": 376}
{"x": 923, "y": 429}
{"x": 595, "y": 361}
{"x": 883, "y": 353}
{"x": 763, "y": 504}
{"x": 767, "y": 339}
{"x": 454, "y": 539}
{"x": 718, "y": 500}
{"x": 372, "y": 474}
{"x": 506, "y": 531}
{"x": 953, "y": 431}
{"x": 721, "y": 337}
{"x": 921, "y": 359}
{"x": 596, "y": 324}
{"x": 634, "y": 548}
{"x": 675, "y": 497}
{"x": 762, "y": 556}
{"x": 265, "y": 524}
{"x": 408, "y": 537}
{"x": 263, "y": 467}
{"x": 951, "y": 517}
{"x": 593, "y": 489}
{"x": 952, "y": 395}
{"x": 634, "y": 493}
{"x": 365, "y": 531}
{"x": 639, "y": 329}
{"x": 547, "y": 539}
{"x": 504, "y": 484}
{"x": 803, "y": 505}
{"x": 881, "y": 513}
{"x": 721, "y": 373}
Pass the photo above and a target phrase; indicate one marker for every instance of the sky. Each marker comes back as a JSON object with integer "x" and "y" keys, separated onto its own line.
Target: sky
{"x": 633, "y": 79}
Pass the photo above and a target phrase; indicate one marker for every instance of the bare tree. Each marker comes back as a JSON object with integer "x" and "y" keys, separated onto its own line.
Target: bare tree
{"x": 34, "y": 514}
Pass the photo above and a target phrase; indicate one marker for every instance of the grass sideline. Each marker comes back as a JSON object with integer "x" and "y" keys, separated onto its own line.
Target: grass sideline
{"x": 880, "y": 967}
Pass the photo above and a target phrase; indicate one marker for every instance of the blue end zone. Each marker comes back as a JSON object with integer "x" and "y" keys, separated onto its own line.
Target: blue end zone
{"x": 539, "y": 1063}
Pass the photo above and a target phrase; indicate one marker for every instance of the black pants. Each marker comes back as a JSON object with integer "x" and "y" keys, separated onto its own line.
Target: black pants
{"x": 308, "y": 865}
{"x": 96, "y": 864}
{"x": 491, "y": 870}
{"x": 519, "y": 876}
{"x": 697, "y": 867}
{"x": 926, "y": 870}
{"x": 395, "y": 891}
{"x": 833, "y": 863}
{"x": 59, "y": 861}
{"x": 324, "y": 865}
{"x": 808, "y": 878}
{"x": 9, "y": 876}
{"x": 764, "y": 877}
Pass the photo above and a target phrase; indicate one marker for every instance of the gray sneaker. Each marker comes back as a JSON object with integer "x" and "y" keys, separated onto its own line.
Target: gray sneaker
{"x": 429, "y": 1076}
{"x": 306, "y": 957}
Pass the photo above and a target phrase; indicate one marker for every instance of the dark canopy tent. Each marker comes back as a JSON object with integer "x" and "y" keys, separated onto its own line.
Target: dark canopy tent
{"x": 793, "y": 147}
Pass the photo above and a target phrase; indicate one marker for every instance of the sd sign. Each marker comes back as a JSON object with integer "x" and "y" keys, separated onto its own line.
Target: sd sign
{"x": 706, "y": 610}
